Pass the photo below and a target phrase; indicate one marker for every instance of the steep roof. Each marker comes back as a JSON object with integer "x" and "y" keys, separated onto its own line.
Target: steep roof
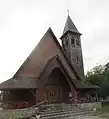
{"x": 41, "y": 54}
{"x": 47, "y": 48}
{"x": 70, "y": 26}
{"x": 30, "y": 70}
{"x": 19, "y": 83}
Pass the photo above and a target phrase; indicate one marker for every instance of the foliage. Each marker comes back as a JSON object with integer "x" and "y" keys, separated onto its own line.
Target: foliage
{"x": 95, "y": 76}
{"x": 102, "y": 111}
{"x": 99, "y": 69}
{"x": 100, "y": 77}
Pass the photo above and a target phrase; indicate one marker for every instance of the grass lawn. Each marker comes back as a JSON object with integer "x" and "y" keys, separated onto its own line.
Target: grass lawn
{"x": 103, "y": 110}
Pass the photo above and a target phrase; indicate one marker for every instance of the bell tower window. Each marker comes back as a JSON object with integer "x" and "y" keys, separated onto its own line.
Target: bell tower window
{"x": 67, "y": 38}
{"x": 66, "y": 43}
{"x": 77, "y": 42}
{"x": 77, "y": 60}
{"x": 72, "y": 40}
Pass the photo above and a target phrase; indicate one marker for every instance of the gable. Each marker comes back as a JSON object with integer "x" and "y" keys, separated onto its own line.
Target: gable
{"x": 36, "y": 61}
{"x": 52, "y": 64}
{"x": 47, "y": 48}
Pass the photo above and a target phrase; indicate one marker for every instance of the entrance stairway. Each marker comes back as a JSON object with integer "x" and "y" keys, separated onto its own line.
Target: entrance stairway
{"x": 60, "y": 111}
{"x": 47, "y": 111}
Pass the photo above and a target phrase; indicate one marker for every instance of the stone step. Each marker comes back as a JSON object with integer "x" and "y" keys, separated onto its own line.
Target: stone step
{"x": 57, "y": 111}
{"x": 62, "y": 104}
{"x": 59, "y": 107}
{"x": 65, "y": 115}
{"x": 54, "y": 109}
{"x": 64, "y": 112}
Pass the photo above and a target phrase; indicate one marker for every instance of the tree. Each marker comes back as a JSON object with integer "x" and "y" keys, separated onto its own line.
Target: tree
{"x": 95, "y": 75}
{"x": 100, "y": 77}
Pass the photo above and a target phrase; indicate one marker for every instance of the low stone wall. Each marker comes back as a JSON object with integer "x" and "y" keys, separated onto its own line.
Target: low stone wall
{"x": 96, "y": 105}
{"x": 12, "y": 114}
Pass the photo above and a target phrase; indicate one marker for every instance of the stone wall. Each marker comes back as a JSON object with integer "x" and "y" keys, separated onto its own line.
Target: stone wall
{"x": 96, "y": 105}
{"x": 12, "y": 114}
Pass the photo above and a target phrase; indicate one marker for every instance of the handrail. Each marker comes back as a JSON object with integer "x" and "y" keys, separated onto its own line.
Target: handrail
{"x": 40, "y": 103}
{"x": 74, "y": 99}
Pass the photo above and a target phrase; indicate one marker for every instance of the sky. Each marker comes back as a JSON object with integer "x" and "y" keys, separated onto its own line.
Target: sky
{"x": 24, "y": 22}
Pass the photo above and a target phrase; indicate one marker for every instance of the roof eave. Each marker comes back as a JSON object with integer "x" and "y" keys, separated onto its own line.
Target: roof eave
{"x": 78, "y": 33}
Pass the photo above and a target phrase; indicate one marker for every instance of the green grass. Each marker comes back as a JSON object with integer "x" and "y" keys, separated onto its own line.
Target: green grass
{"x": 103, "y": 110}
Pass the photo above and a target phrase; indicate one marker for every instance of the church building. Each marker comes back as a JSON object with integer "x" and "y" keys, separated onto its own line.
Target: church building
{"x": 52, "y": 72}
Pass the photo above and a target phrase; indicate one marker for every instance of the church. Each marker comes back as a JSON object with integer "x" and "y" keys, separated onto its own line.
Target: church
{"x": 52, "y": 72}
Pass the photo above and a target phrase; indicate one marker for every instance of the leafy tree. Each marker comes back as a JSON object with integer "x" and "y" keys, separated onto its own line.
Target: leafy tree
{"x": 100, "y": 77}
{"x": 95, "y": 75}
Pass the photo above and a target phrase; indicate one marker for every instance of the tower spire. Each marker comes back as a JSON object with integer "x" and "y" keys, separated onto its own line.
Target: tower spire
{"x": 70, "y": 26}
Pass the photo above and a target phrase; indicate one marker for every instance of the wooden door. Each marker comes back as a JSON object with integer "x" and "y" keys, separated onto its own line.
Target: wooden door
{"x": 52, "y": 94}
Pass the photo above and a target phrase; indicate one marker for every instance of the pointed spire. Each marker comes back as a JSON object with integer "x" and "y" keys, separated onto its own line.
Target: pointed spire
{"x": 69, "y": 26}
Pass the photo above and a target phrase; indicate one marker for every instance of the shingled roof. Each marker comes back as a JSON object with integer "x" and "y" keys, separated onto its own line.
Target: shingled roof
{"x": 42, "y": 53}
{"x": 30, "y": 70}
{"x": 70, "y": 26}
{"x": 83, "y": 85}
{"x": 19, "y": 82}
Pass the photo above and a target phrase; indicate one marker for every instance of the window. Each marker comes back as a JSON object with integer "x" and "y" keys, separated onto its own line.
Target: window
{"x": 66, "y": 43}
{"x": 67, "y": 38}
{"x": 77, "y": 60}
{"x": 72, "y": 40}
{"x": 63, "y": 44}
{"x": 77, "y": 41}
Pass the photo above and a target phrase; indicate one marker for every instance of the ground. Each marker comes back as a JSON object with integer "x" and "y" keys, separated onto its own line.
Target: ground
{"x": 103, "y": 112}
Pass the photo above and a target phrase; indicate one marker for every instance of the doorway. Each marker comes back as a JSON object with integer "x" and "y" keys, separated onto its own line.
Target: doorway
{"x": 52, "y": 93}
{"x": 57, "y": 88}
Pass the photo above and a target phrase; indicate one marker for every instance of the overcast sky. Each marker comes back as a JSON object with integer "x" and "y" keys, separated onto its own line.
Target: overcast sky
{"x": 24, "y": 22}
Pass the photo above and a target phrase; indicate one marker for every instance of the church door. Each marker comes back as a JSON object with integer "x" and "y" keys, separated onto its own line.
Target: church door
{"x": 52, "y": 94}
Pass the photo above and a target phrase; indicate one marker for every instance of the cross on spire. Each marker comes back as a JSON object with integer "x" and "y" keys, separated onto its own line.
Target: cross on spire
{"x": 68, "y": 11}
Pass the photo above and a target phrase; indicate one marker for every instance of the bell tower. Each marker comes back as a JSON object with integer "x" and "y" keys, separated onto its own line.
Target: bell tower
{"x": 71, "y": 43}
